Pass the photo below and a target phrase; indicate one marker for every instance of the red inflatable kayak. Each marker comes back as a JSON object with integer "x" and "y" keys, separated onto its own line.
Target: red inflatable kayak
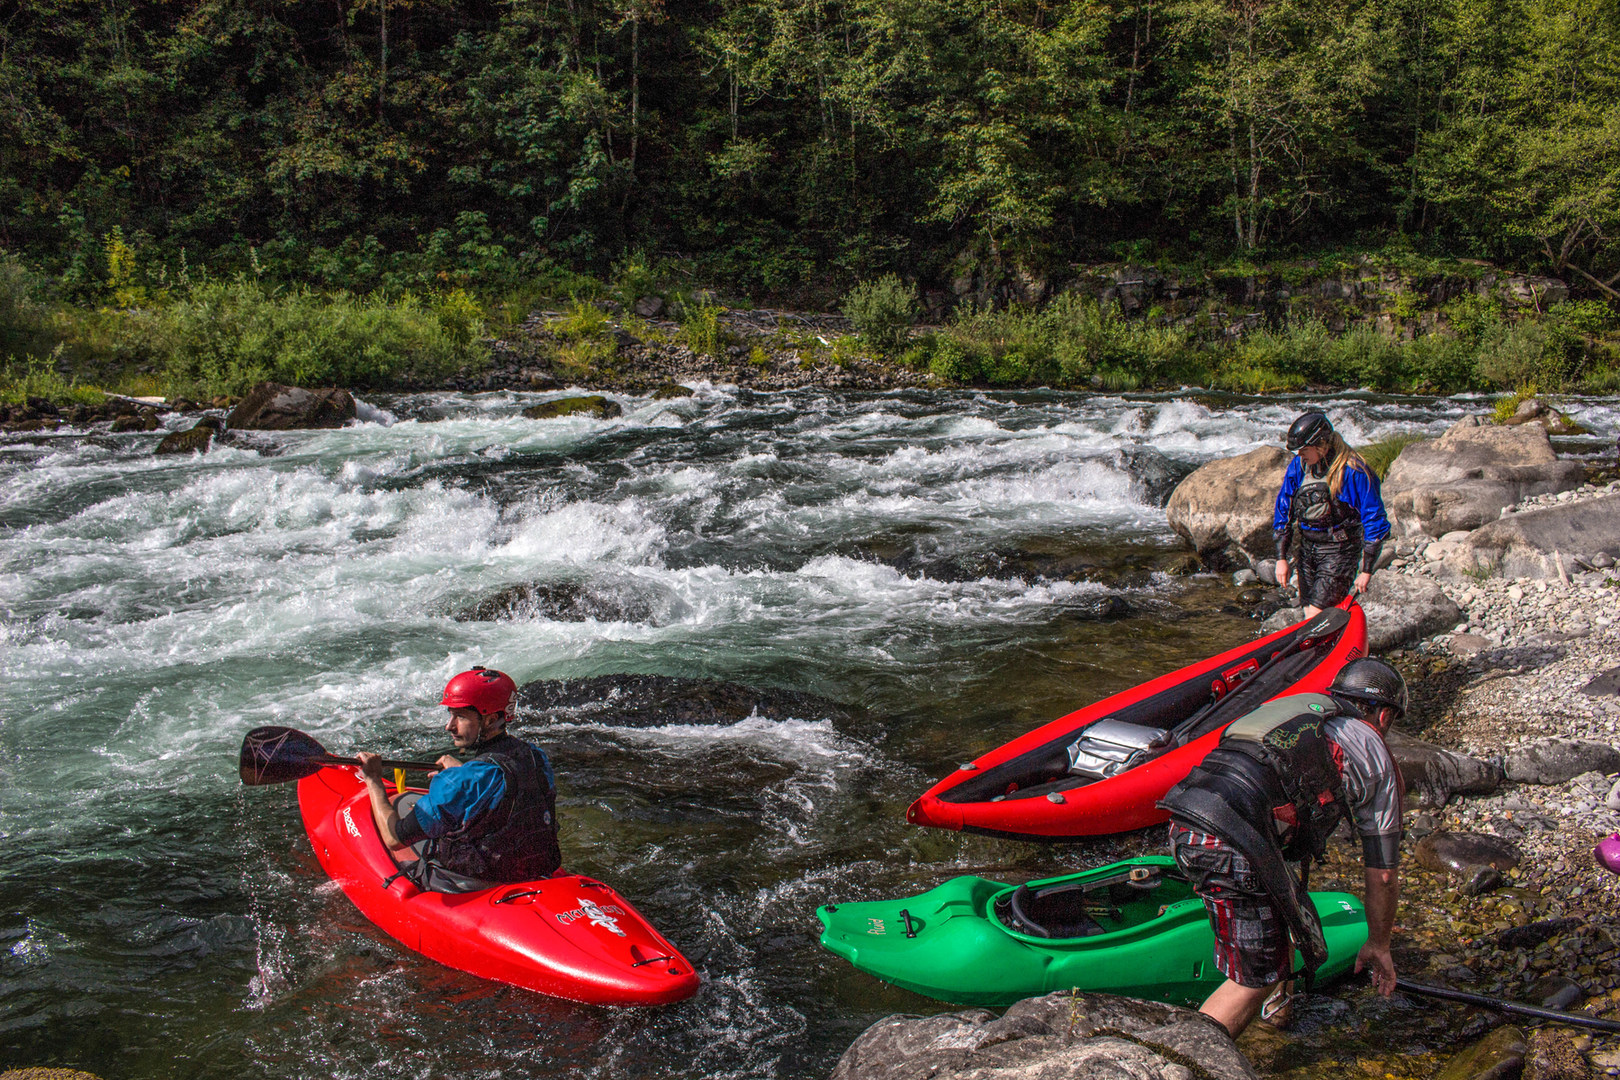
{"x": 1100, "y": 770}
{"x": 568, "y": 936}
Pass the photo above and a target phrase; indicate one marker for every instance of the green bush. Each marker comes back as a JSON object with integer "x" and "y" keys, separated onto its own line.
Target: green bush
{"x": 226, "y": 337}
{"x": 1380, "y": 455}
{"x": 953, "y": 362}
{"x": 882, "y": 312}
{"x": 24, "y": 317}
{"x": 702, "y": 331}
{"x": 36, "y": 378}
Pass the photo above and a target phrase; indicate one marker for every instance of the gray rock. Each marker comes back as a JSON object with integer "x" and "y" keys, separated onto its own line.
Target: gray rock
{"x": 193, "y": 440}
{"x": 1224, "y": 509}
{"x": 1606, "y": 684}
{"x": 1152, "y": 474}
{"x": 1534, "y": 543}
{"x": 572, "y": 601}
{"x": 1468, "y": 476}
{"x": 1401, "y": 608}
{"x": 273, "y": 407}
{"x": 648, "y": 307}
{"x": 1467, "y": 644}
{"x": 1434, "y": 775}
{"x": 1553, "y": 761}
{"x": 1245, "y": 577}
{"x": 1061, "y": 1035}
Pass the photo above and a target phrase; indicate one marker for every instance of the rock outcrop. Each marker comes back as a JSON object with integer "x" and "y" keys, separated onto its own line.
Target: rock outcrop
{"x": 1541, "y": 543}
{"x": 1402, "y": 608}
{"x": 1224, "y": 509}
{"x": 1468, "y": 476}
{"x": 1433, "y": 775}
{"x": 273, "y": 407}
{"x": 573, "y": 601}
{"x": 1096, "y": 1036}
{"x": 592, "y": 405}
{"x": 1555, "y": 761}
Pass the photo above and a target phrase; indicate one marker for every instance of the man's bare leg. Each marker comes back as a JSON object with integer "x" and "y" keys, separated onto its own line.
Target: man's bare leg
{"x": 1234, "y": 1005}
{"x": 1311, "y": 612}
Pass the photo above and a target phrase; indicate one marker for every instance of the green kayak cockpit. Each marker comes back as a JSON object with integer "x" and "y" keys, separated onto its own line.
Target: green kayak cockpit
{"x": 1087, "y": 906}
{"x": 1134, "y": 927}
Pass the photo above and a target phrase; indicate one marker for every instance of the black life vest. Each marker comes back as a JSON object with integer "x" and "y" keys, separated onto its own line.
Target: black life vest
{"x": 1286, "y": 737}
{"x": 517, "y": 839}
{"x": 1315, "y": 509}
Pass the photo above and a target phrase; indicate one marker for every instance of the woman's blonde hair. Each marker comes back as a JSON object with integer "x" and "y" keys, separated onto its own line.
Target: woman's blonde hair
{"x": 1341, "y": 457}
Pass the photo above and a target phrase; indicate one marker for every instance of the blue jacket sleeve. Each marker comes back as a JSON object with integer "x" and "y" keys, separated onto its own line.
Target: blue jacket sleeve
{"x": 1280, "y": 518}
{"x": 1361, "y": 492}
{"x": 457, "y": 796}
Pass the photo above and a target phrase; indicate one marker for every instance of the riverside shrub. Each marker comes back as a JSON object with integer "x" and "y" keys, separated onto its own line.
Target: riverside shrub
{"x": 226, "y": 337}
{"x": 882, "y": 312}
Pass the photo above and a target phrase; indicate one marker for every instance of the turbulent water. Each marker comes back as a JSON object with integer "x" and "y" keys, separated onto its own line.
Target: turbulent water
{"x": 945, "y": 570}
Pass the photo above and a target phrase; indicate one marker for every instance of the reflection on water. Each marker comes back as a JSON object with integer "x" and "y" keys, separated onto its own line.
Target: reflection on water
{"x": 948, "y": 569}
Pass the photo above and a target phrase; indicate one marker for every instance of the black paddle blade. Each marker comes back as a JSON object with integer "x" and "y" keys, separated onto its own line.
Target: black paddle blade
{"x": 275, "y": 755}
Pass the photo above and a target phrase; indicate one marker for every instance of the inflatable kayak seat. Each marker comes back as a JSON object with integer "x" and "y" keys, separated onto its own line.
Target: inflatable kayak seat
{"x": 1108, "y": 747}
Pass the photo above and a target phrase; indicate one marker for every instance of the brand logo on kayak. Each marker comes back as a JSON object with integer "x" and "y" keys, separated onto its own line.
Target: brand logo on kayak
{"x": 1317, "y": 708}
{"x": 875, "y": 926}
{"x": 599, "y": 915}
{"x": 348, "y": 823}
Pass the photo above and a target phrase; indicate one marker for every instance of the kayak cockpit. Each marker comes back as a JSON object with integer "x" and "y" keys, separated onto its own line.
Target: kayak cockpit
{"x": 1070, "y": 908}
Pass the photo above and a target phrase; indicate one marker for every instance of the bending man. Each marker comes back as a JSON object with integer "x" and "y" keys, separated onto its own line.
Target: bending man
{"x": 1270, "y": 793}
{"x": 489, "y": 821}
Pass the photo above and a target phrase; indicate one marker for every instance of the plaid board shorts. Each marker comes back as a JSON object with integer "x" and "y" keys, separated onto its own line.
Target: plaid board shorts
{"x": 1251, "y": 940}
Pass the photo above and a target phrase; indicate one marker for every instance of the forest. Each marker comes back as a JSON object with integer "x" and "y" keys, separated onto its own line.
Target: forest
{"x": 786, "y": 150}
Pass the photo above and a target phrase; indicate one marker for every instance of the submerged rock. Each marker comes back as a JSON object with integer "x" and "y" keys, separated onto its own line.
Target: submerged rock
{"x": 656, "y": 700}
{"x": 1464, "y": 853}
{"x": 1096, "y": 1036}
{"x": 1434, "y": 774}
{"x": 592, "y": 405}
{"x": 1554, "y": 761}
{"x": 1498, "y": 1056}
{"x": 1532, "y": 934}
{"x": 1152, "y": 474}
{"x": 671, "y": 390}
{"x": 273, "y": 407}
{"x": 572, "y": 601}
{"x": 193, "y": 440}
{"x": 1550, "y": 1056}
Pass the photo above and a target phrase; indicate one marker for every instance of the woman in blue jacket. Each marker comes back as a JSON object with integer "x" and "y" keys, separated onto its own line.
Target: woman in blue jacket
{"x": 1331, "y": 495}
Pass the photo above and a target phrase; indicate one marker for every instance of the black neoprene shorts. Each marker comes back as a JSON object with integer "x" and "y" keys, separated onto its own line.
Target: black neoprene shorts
{"x": 1327, "y": 569}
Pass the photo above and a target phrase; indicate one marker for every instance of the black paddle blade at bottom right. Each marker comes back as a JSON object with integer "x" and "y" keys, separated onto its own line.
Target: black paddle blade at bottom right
{"x": 276, "y": 755}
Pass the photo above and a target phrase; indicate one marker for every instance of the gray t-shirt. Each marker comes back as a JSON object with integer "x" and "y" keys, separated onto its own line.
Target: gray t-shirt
{"x": 1372, "y": 789}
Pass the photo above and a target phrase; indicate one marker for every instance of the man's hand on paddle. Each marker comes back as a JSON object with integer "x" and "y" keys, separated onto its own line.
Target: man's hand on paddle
{"x": 1381, "y": 965}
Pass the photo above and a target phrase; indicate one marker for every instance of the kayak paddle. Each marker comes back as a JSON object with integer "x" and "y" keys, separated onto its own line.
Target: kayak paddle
{"x": 1514, "y": 1007}
{"x": 275, "y": 755}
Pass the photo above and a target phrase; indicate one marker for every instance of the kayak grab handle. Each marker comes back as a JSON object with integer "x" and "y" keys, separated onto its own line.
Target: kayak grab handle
{"x": 651, "y": 960}
{"x": 905, "y": 917}
{"x": 517, "y": 895}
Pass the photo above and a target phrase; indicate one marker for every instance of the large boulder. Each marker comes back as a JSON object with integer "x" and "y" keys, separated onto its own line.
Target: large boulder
{"x": 1224, "y": 509}
{"x": 1433, "y": 775}
{"x": 1534, "y": 544}
{"x": 1553, "y": 761}
{"x": 1403, "y": 608}
{"x": 1096, "y": 1036}
{"x": 273, "y": 407}
{"x": 1468, "y": 476}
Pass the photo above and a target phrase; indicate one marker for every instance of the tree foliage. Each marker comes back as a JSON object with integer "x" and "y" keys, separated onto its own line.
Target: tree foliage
{"x": 777, "y": 143}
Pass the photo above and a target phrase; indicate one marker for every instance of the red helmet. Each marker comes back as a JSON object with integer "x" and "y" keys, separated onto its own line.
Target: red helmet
{"x": 482, "y": 689}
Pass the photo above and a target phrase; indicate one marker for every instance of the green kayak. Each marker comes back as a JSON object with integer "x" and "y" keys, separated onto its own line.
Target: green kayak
{"x": 1134, "y": 927}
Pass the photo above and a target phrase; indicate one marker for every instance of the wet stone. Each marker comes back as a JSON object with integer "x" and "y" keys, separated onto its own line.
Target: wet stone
{"x": 1498, "y": 1056}
{"x": 1533, "y": 934}
{"x": 656, "y": 700}
{"x": 1463, "y": 853}
{"x": 1555, "y": 991}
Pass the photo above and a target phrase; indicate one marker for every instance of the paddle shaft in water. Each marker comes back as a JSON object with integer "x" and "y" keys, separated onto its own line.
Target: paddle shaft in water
{"x": 1466, "y": 998}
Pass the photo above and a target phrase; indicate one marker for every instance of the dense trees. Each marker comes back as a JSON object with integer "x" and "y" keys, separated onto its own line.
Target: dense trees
{"x": 778, "y": 142}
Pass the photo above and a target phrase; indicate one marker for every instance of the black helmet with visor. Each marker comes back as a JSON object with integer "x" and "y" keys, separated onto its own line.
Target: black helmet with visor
{"x": 1311, "y": 429}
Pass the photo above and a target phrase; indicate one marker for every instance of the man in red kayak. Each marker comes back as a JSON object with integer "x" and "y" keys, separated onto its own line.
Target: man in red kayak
{"x": 488, "y": 821}
{"x": 1270, "y": 793}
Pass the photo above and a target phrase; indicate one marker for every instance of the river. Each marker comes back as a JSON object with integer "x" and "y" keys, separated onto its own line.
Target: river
{"x": 882, "y": 552}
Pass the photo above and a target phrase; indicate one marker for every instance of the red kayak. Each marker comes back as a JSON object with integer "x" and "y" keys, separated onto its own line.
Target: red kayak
{"x": 568, "y": 936}
{"x": 1101, "y": 770}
